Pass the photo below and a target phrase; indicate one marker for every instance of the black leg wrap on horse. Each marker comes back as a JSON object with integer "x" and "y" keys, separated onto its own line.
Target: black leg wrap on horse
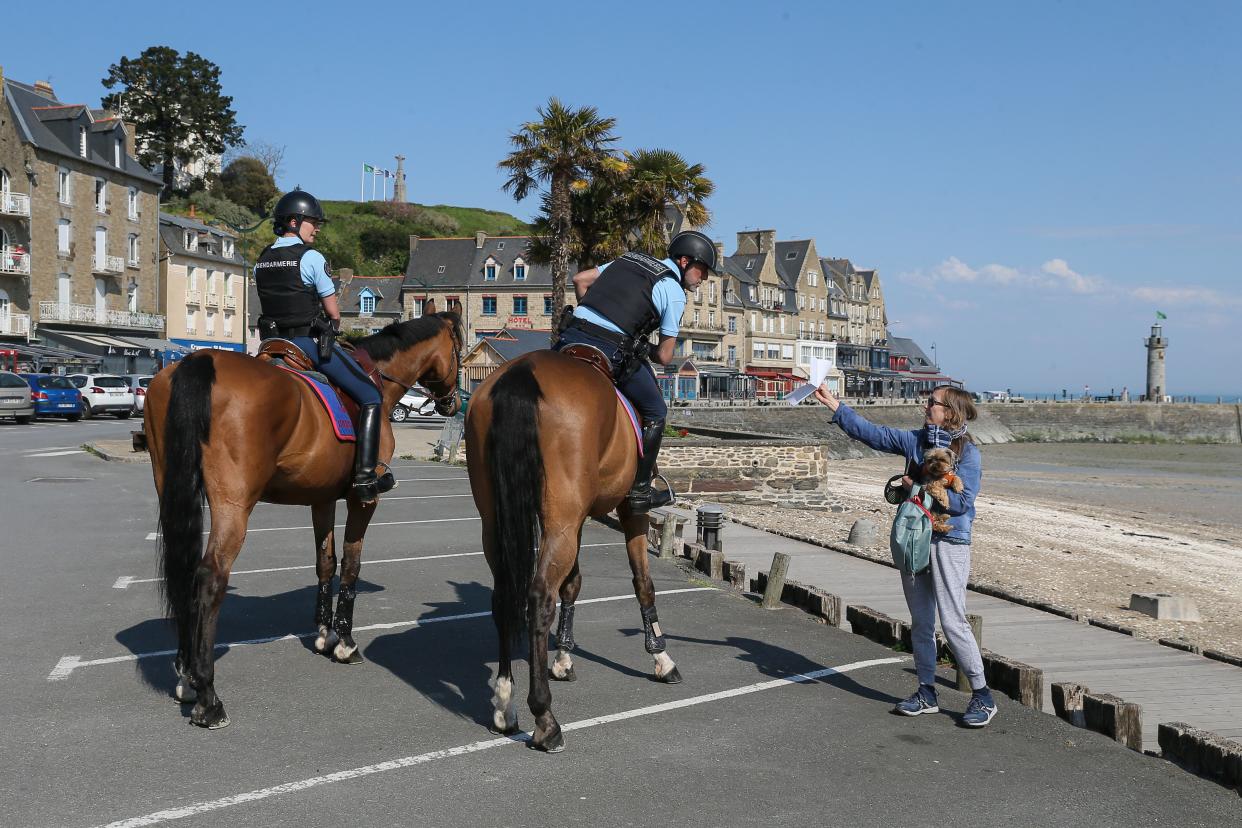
{"x": 345, "y": 611}
{"x": 565, "y": 629}
{"x": 642, "y": 498}
{"x": 323, "y": 606}
{"x": 653, "y": 636}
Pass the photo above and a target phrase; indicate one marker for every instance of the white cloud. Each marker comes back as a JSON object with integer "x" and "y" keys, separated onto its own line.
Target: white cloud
{"x": 1184, "y": 296}
{"x": 1060, "y": 269}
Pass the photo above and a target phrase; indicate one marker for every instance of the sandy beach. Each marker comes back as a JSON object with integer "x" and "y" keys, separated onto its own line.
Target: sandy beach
{"x": 1082, "y": 525}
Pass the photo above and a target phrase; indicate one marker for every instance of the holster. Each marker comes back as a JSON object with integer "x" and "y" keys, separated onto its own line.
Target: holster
{"x": 325, "y": 338}
{"x": 633, "y": 358}
{"x": 564, "y": 320}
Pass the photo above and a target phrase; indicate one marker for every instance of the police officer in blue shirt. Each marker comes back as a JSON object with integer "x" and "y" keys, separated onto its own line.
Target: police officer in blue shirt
{"x": 299, "y": 303}
{"x": 620, "y": 304}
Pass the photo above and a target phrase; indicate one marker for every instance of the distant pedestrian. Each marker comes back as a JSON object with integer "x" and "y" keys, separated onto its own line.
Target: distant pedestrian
{"x": 943, "y": 585}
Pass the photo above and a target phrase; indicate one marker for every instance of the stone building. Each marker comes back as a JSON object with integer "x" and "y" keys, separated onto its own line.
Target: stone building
{"x": 493, "y": 278}
{"x": 862, "y": 352}
{"x": 78, "y": 229}
{"x": 202, "y": 281}
{"x": 368, "y": 303}
{"x": 759, "y": 294}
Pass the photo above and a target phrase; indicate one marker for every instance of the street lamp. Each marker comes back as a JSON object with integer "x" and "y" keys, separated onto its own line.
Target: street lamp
{"x": 935, "y": 358}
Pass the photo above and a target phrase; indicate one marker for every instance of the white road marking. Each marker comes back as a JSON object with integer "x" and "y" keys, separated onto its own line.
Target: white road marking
{"x": 425, "y": 479}
{"x": 125, "y": 580}
{"x": 56, "y": 453}
{"x": 474, "y": 747}
{"x": 68, "y": 664}
{"x": 154, "y": 535}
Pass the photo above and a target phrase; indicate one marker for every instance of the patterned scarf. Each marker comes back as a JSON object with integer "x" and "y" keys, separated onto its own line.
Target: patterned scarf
{"x": 937, "y": 437}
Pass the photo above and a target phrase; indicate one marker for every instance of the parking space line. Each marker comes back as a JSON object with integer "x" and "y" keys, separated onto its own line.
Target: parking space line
{"x": 426, "y": 479}
{"x": 154, "y": 535}
{"x": 67, "y": 664}
{"x": 486, "y": 744}
{"x": 56, "y": 453}
{"x": 125, "y": 580}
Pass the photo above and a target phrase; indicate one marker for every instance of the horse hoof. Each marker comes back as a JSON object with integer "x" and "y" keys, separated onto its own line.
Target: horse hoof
{"x": 183, "y": 693}
{"x": 326, "y": 642}
{"x": 554, "y": 742}
{"x": 346, "y": 655}
{"x": 671, "y": 677}
{"x": 495, "y": 731}
{"x": 212, "y": 718}
{"x": 568, "y": 675}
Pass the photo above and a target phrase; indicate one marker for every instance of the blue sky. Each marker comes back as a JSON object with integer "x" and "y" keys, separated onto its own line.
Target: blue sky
{"x": 1033, "y": 181}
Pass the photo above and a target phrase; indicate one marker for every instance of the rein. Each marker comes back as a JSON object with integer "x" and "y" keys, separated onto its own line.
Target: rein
{"x": 433, "y": 399}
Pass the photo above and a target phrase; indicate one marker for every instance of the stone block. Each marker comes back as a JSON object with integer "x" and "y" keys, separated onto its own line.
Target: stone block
{"x": 864, "y": 532}
{"x": 735, "y": 573}
{"x": 1116, "y": 718}
{"x": 1020, "y": 682}
{"x": 1067, "y": 702}
{"x": 1165, "y": 607}
{"x": 877, "y": 626}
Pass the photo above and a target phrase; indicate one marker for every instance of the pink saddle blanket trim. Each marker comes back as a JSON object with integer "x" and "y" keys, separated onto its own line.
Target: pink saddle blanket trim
{"x": 629, "y": 410}
{"x": 342, "y": 426}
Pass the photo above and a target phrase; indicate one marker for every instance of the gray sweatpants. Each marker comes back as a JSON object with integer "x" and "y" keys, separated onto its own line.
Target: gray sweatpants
{"x": 943, "y": 586}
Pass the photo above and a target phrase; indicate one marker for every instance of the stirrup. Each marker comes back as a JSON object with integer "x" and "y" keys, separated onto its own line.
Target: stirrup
{"x": 386, "y": 481}
{"x": 367, "y": 492}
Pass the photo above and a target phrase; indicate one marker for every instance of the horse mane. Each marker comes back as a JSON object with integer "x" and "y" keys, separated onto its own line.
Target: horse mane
{"x": 398, "y": 336}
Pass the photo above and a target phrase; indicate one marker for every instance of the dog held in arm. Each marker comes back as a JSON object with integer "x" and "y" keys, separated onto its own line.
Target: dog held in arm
{"x": 938, "y": 477}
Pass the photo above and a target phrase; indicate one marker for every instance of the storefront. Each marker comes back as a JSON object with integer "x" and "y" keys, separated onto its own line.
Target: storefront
{"x": 772, "y": 385}
{"x": 117, "y": 355}
{"x": 29, "y": 358}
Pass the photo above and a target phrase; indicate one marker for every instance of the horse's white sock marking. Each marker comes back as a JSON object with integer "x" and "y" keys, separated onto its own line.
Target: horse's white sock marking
{"x": 184, "y": 692}
{"x": 326, "y": 640}
{"x": 504, "y": 717}
{"x": 663, "y": 665}
{"x": 343, "y": 652}
{"x": 562, "y": 665}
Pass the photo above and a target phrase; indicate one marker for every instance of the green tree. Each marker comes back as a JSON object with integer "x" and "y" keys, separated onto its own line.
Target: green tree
{"x": 563, "y": 146}
{"x": 247, "y": 182}
{"x": 654, "y": 180}
{"x": 176, "y": 105}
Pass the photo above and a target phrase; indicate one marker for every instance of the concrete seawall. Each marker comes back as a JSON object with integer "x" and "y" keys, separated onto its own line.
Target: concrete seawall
{"x": 997, "y": 423}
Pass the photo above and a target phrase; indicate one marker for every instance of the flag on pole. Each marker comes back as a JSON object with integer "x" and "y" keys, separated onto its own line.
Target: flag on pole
{"x": 368, "y": 168}
{"x": 1160, "y": 315}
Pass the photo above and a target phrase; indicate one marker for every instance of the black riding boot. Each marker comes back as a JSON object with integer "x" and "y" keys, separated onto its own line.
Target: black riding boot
{"x": 366, "y": 454}
{"x": 642, "y": 497}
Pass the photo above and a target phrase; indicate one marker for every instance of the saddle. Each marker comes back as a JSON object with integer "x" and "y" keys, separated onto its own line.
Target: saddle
{"x": 592, "y": 356}
{"x": 285, "y": 354}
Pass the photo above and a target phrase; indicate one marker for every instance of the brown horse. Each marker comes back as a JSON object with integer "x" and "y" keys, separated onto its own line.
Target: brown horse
{"x": 547, "y": 444}
{"x": 238, "y": 431}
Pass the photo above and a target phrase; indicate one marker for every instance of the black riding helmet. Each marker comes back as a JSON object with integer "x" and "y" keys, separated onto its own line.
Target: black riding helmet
{"x": 697, "y": 246}
{"x": 295, "y": 204}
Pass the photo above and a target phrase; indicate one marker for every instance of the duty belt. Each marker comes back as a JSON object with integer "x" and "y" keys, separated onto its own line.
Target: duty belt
{"x": 601, "y": 332}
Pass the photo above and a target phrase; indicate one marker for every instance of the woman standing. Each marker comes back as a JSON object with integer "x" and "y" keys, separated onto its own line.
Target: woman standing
{"x": 943, "y": 584}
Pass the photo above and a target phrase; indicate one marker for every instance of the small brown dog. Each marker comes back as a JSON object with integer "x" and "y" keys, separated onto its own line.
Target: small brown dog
{"x": 937, "y": 472}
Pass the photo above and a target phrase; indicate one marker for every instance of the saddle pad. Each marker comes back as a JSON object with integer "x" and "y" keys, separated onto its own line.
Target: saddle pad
{"x": 629, "y": 410}
{"x": 341, "y": 424}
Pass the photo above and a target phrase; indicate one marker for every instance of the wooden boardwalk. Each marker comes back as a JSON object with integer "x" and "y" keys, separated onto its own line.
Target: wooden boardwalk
{"x": 1171, "y": 685}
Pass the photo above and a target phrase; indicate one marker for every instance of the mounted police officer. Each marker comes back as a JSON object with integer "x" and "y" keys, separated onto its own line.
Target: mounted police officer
{"x": 620, "y": 304}
{"x": 299, "y": 303}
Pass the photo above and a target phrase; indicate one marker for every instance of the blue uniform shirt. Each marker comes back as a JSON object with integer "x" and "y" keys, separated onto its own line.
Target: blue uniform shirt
{"x": 314, "y": 267}
{"x": 669, "y": 299}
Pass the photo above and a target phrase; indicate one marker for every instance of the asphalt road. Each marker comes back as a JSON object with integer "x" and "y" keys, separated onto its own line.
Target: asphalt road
{"x": 91, "y": 736}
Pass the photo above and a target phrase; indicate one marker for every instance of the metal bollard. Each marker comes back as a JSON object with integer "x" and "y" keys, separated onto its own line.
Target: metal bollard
{"x": 710, "y": 523}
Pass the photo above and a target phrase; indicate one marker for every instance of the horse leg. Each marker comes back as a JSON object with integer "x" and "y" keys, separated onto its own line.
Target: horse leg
{"x": 635, "y": 527}
{"x": 323, "y": 516}
{"x": 504, "y": 713}
{"x": 211, "y": 579}
{"x": 184, "y": 692}
{"x": 558, "y": 551}
{"x": 563, "y": 667}
{"x": 346, "y": 651}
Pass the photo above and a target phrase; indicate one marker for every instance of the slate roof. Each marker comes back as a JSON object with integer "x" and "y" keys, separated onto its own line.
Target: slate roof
{"x": 523, "y": 342}
{"x": 459, "y": 262}
{"x": 53, "y": 127}
{"x": 919, "y": 362}
{"x": 385, "y": 289}
{"x": 172, "y": 234}
{"x": 790, "y": 268}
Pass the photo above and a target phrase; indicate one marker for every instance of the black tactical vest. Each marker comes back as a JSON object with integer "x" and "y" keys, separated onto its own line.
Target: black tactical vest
{"x": 622, "y": 293}
{"x": 284, "y": 297}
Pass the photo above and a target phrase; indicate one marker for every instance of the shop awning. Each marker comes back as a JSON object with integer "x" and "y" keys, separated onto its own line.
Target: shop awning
{"x": 43, "y": 353}
{"x": 158, "y": 344}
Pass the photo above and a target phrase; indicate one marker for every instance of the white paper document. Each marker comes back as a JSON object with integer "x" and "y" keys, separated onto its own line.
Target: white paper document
{"x": 819, "y": 372}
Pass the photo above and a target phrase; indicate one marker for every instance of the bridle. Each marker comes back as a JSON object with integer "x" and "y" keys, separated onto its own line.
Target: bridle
{"x": 433, "y": 399}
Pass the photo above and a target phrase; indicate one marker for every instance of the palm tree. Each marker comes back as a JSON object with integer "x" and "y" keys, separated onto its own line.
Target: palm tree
{"x": 563, "y": 146}
{"x": 658, "y": 178}
{"x": 598, "y": 220}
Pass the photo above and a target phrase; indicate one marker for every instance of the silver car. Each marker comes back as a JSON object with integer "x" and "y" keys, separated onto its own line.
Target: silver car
{"x": 15, "y": 399}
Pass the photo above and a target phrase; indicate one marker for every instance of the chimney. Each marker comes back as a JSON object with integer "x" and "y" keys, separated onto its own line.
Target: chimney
{"x": 413, "y": 245}
{"x": 747, "y": 242}
{"x": 45, "y": 89}
{"x": 131, "y": 141}
{"x": 767, "y": 240}
{"x": 720, "y": 257}
{"x": 192, "y": 210}
{"x": 479, "y": 238}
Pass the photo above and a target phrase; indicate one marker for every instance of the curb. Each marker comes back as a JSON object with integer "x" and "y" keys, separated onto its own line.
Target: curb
{"x": 115, "y": 457}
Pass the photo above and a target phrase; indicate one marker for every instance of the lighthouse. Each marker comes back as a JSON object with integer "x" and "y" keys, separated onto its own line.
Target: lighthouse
{"x": 1156, "y": 343}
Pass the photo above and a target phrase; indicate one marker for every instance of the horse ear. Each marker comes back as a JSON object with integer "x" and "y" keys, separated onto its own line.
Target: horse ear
{"x": 429, "y": 307}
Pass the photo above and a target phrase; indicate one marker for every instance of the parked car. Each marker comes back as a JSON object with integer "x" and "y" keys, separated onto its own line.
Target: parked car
{"x": 104, "y": 394}
{"x": 409, "y": 406}
{"x": 54, "y": 396}
{"x": 138, "y": 384}
{"x": 15, "y": 399}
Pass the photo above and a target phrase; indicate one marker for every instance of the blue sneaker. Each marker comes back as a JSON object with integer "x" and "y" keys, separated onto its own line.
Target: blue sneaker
{"x": 980, "y": 710}
{"x": 923, "y": 701}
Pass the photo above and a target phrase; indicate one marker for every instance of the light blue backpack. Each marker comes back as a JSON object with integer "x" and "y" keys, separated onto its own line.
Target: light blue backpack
{"x": 910, "y": 540}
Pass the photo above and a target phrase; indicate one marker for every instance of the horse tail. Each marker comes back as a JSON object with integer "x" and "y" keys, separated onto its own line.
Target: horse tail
{"x": 515, "y": 465}
{"x": 186, "y": 427}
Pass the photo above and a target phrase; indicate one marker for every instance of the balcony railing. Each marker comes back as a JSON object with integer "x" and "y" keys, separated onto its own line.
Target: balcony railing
{"x": 14, "y": 204}
{"x": 89, "y": 315}
{"x": 230, "y": 303}
{"x": 12, "y": 261}
{"x": 108, "y": 264}
{"x": 15, "y": 324}
{"x": 190, "y": 329}
{"x": 213, "y": 300}
{"x": 192, "y": 297}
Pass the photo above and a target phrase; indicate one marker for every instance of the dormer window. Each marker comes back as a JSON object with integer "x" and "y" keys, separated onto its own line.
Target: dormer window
{"x": 228, "y": 248}
{"x": 191, "y": 240}
{"x": 750, "y": 264}
{"x": 82, "y": 141}
{"x": 366, "y": 303}
{"x": 117, "y": 154}
{"x": 519, "y": 271}
{"x": 489, "y": 270}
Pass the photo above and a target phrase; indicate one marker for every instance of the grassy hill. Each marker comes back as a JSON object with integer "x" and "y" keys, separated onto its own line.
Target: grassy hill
{"x": 372, "y": 238}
